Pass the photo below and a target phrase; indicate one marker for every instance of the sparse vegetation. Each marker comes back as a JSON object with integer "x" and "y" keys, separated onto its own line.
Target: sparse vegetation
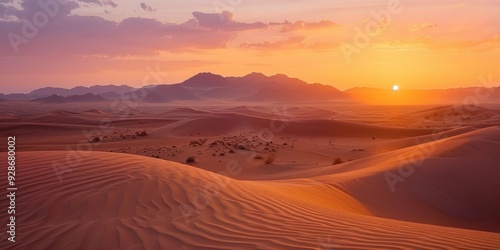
{"x": 191, "y": 159}
{"x": 338, "y": 160}
{"x": 95, "y": 140}
{"x": 143, "y": 133}
{"x": 270, "y": 159}
{"x": 199, "y": 142}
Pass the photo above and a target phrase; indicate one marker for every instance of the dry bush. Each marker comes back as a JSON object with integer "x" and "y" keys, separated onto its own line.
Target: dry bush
{"x": 143, "y": 133}
{"x": 95, "y": 140}
{"x": 191, "y": 159}
{"x": 270, "y": 159}
{"x": 338, "y": 160}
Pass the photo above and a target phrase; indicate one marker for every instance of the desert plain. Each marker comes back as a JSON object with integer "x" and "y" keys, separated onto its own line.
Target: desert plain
{"x": 227, "y": 175}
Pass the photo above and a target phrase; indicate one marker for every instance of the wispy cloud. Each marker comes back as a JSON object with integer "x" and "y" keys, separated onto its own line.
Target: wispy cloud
{"x": 147, "y": 7}
{"x": 84, "y": 33}
{"x": 302, "y": 25}
{"x": 423, "y": 26}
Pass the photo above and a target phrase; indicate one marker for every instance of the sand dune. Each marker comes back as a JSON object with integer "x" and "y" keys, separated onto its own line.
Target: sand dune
{"x": 437, "y": 135}
{"x": 225, "y": 123}
{"x": 400, "y": 193}
{"x": 436, "y": 183}
{"x": 110, "y": 200}
{"x": 452, "y": 115}
{"x": 23, "y": 128}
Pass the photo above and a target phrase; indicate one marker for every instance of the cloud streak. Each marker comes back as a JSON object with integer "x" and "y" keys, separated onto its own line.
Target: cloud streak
{"x": 78, "y": 36}
{"x": 147, "y": 7}
{"x": 91, "y": 35}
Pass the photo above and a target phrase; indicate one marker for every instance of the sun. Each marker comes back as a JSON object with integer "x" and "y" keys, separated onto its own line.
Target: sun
{"x": 395, "y": 87}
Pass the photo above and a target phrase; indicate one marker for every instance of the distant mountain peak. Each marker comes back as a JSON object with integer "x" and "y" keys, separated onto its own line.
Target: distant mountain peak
{"x": 206, "y": 80}
{"x": 256, "y": 74}
{"x": 51, "y": 99}
{"x": 89, "y": 97}
{"x": 80, "y": 90}
{"x": 166, "y": 93}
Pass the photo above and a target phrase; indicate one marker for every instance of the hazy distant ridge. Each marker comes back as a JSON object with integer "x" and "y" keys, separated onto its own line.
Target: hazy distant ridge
{"x": 257, "y": 87}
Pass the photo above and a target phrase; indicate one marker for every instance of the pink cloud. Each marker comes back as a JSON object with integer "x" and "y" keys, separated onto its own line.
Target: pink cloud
{"x": 291, "y": 42}
{"x": 301, "y": 25}
{"x": 72, "y": 34}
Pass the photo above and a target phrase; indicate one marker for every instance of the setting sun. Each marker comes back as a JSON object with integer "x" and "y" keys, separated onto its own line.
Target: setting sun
{"x": 231, "y": 124}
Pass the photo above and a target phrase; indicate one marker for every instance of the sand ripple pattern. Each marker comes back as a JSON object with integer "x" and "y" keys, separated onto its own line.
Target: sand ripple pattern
{"x": 120, "y": 201}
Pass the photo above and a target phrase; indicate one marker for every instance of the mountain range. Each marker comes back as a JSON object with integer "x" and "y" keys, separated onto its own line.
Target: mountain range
{"x": 256, "y": 87}
{"x": 89, "y": 97}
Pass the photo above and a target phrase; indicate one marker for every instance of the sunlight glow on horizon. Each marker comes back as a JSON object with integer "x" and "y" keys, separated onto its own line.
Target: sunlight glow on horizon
{"x": 426, "y": 46}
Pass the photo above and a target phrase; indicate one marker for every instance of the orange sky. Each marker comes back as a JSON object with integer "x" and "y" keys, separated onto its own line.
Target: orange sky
{"x": 423, "y": 45}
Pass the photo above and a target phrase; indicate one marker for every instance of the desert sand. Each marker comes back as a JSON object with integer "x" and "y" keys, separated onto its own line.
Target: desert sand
{"x": 262, "y": 177}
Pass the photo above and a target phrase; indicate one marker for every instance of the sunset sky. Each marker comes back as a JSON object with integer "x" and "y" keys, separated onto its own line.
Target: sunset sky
{"x": 423, "y": 44}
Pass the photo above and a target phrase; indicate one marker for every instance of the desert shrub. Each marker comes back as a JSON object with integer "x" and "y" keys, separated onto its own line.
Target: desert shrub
{"x": 143, "y": 133}
{"x": 337, "y": 160}
{"x": 199, "y": 142}
{"x": 95, "y": 140}
{"x": 258, "y": 157}
{"x": 191, "y": 159}
{"x": 270, "y": 159}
